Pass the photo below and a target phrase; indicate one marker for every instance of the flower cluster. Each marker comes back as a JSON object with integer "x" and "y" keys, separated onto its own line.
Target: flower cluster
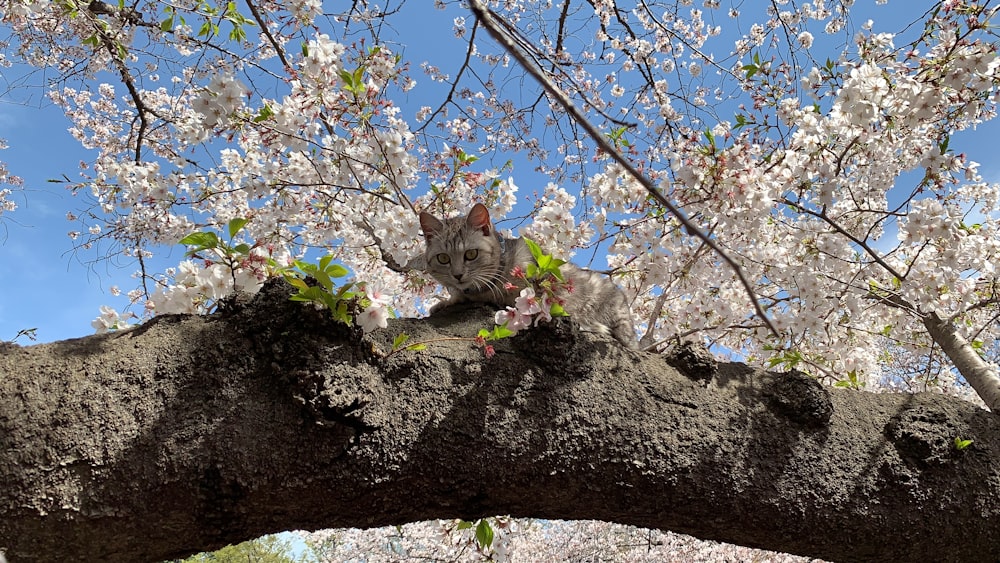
{"x": 110, "y": 319}
{"x": 376, "y": 314}
{"x": 194, "y": 287}
{"x": 528, "y": 310}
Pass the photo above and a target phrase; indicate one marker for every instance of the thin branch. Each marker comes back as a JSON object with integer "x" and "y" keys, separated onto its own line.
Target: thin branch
{"x": 278, "y": 49}
{"x": 836, "y": 226}
{"x": 647, "y": 338}
{"x": 525, "y": 46}
{"x": 454, "y": 85}
{"x": 485, "y": 16}
{"x": 112, "y": 46}
{"x": 645, "y": 342}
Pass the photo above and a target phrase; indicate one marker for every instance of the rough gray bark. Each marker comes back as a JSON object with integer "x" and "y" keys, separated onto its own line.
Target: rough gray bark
{"x": 189, "y": 433}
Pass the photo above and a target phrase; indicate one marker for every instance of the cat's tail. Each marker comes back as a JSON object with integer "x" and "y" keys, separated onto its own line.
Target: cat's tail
{"x": 618, "y": 325}
{"x": 624, "y": 331}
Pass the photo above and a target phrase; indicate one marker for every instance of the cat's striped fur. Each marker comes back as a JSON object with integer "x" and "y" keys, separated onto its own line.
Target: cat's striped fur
{"x": 469, "y": 258}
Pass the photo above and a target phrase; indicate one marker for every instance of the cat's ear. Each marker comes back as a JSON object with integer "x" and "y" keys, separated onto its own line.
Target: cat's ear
{"x": 479, "y": 219}
{"x": 430, "y": 224}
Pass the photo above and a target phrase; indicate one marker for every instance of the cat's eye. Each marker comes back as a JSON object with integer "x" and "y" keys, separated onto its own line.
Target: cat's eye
{"x": 471, "y": 254}
{"x": 444, "y": 258}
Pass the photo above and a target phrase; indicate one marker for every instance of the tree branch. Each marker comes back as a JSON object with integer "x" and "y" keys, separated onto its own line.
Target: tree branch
{"x": 980, "y": 375}
{"x": 486, "y": 18}
{"x": 189, "y": 433}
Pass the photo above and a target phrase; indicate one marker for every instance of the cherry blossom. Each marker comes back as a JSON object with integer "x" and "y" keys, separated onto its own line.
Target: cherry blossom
{"x": 527, "y": 310}
{"x": 374, "y": 316}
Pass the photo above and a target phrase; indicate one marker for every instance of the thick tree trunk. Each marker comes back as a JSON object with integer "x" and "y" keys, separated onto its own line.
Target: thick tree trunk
{"x": 980, "y": 375}
{"x": 189, "y": 433}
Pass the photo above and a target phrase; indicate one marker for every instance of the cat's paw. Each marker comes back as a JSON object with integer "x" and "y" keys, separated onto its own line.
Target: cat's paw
{"x": 440, "y": 305}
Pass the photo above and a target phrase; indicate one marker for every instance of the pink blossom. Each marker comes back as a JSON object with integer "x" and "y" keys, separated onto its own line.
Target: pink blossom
{"x": 374, "y": 316}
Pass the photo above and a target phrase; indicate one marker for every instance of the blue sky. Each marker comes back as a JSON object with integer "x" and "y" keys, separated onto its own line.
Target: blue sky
{"x": 45, "y": 284}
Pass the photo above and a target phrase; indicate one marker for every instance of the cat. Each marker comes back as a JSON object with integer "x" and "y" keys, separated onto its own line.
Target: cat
{"x": 468, "y": 257}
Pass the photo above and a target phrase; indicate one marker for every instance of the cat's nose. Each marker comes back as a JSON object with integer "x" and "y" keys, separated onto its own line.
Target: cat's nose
{"x": 458, "y": 277}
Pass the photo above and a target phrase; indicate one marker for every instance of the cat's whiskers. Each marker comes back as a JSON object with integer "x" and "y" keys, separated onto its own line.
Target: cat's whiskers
{"x": 488, "y": 280}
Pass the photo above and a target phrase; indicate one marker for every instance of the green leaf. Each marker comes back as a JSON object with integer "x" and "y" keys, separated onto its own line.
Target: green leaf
{"x": 344, "y": 293}
{"x": 354, "y": 81}
{"x": 399, "y": 340}
{"x": 750, "y": 70}
{"x": 536, "y": 250}
{"x": 264, "y": 114}
{"x": 325, "y": 261}
{"x": 206, "y": 29}
{"x": 466, "y": 158}
{"x": 961, "y": 444}
{"x": 303, "y": 297}
{"x": 342, "y": 313}
{"x": 202, "y": 239}
{"x": 234, "y": 226}
{"x": 304, "y": 266}
{"x": 237, "y": 33}
{"x": 416, "y": 347}
{"x": 484, "y": 533}
{"x": 853, "y": 382}
{"x": 242, "y": 248}
{"x": 463, "y": 524}
{"x": 337, "y": 271}
{"x": 499, "y": 331}
{"x": 167, "y": 24}
{"x": 556, "y": 310}
{"x": 554, "y": 272}
{"x": 324, "y": 280}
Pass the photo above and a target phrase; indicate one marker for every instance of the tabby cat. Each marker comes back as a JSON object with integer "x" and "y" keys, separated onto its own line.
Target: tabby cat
{"x": 468, "y": 257}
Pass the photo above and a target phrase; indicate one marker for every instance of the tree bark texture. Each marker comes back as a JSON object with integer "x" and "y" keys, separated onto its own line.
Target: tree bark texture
{"x": 189, "y": 433}
{"x": 980, "y": 375}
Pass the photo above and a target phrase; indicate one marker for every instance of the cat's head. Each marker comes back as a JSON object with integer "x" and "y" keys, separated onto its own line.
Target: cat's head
{"x": 463, "y": 252}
